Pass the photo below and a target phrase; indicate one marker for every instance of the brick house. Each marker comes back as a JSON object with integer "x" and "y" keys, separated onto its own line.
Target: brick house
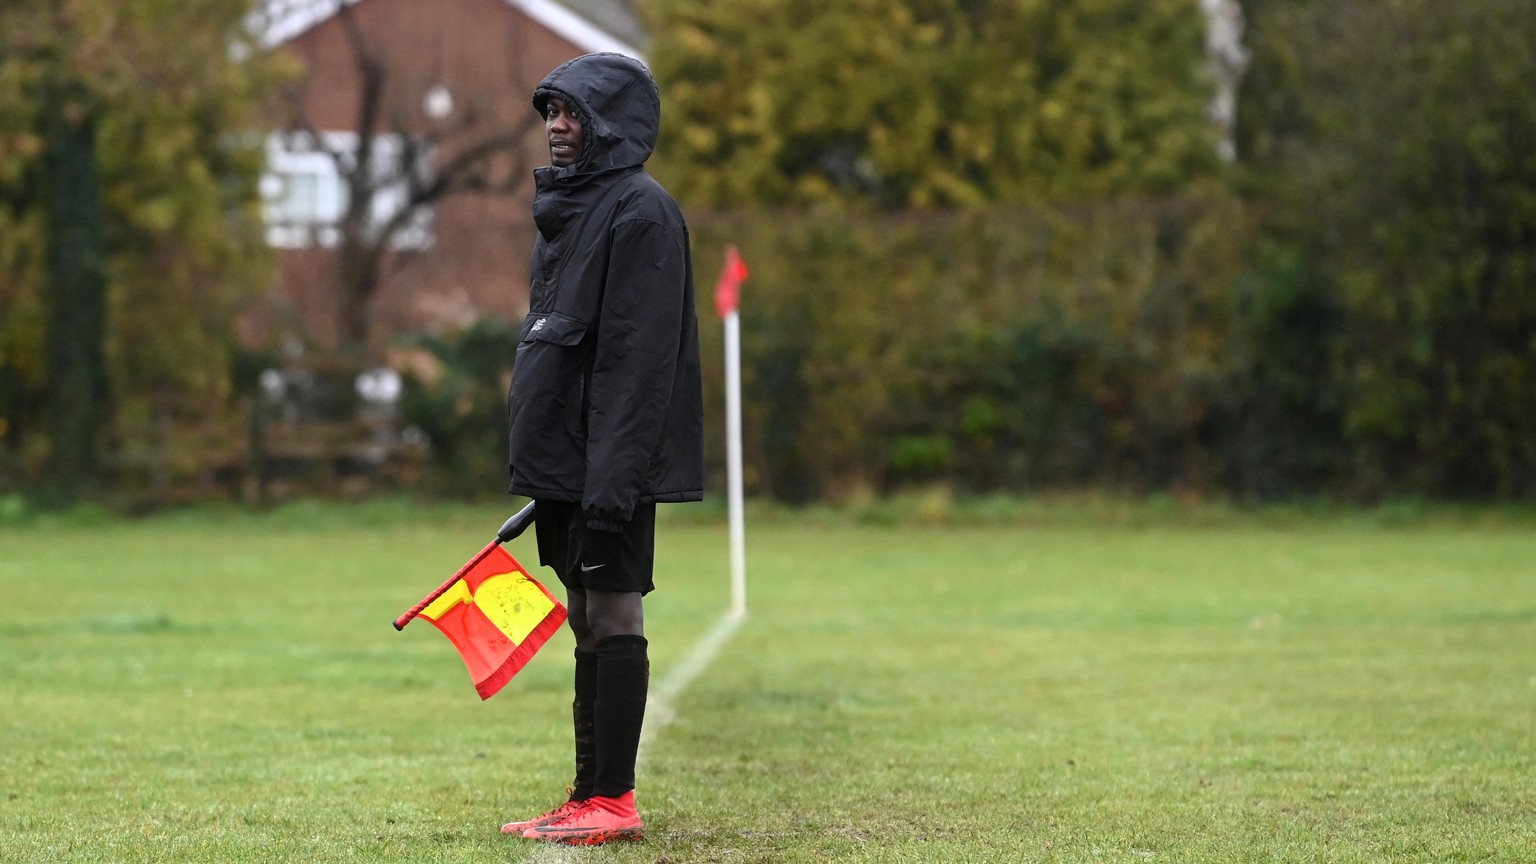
{"x": 455, "y": 73}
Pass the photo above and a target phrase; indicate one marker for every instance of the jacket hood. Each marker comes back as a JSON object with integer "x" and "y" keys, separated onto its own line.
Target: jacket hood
{"x": 620, "y": 109}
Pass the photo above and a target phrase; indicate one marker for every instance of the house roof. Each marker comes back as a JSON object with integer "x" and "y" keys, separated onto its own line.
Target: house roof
{"x": 591, "y": 25}
{"x": 615, "y": 20}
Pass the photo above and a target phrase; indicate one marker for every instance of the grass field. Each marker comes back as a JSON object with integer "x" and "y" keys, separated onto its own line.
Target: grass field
{"x": 219, "y": 687}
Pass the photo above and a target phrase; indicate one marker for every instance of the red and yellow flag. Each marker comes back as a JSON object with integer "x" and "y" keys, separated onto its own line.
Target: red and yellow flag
{"x": 498, "y": 617}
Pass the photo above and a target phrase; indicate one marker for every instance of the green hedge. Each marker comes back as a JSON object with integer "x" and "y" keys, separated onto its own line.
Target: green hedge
{"x": 1175, "y": 345}
{"x": 995, "y": 351}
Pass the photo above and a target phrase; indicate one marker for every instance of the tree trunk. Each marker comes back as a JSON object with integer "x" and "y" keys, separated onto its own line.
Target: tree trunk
{"x": 1228, "y": 59}
{"x": 78, "y": 309}
{"x": 358, "y": 273}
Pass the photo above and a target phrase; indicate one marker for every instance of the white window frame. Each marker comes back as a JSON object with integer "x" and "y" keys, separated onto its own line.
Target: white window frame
{"x": 301, "y": 223}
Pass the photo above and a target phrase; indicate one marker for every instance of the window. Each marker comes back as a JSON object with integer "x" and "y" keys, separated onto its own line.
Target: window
{"x": 305, "y": 196}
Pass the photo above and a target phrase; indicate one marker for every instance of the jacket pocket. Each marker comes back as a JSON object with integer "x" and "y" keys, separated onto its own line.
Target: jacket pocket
{"x": 554, "y": 328}
{"x": 546, "y": 412}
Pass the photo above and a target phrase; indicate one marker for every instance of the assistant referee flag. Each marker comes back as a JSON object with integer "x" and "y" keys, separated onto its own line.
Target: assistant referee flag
{"x": 498, "y": 617}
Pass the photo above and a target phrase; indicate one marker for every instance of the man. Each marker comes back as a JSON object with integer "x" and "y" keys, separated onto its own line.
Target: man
{"x": 606, "y": 410}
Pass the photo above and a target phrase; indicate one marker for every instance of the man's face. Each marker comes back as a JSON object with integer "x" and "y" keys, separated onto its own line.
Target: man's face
{"x": 564, "y": 133}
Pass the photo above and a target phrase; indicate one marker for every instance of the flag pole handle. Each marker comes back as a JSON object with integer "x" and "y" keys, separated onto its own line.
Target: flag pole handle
{"x": 516, "y": 525}
{"x": 510, "y": 530}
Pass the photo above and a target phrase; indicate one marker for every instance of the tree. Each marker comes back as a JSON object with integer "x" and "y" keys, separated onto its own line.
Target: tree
{"x": 398, "y": 167}
{"x": 23, "y": 239}
{"x": 132, "y": 204}
{"x": 64, "y": 186}
{"x": 1390, "y": 143}
{"x": 77, "y": 273}
{"x": 923, "y": 103}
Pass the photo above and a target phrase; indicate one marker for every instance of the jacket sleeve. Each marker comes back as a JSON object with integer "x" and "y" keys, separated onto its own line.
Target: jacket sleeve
{"x": 640, "y": 326}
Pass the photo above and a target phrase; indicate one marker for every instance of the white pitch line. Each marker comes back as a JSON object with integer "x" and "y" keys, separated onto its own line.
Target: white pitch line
{"x": 659, "y": 706}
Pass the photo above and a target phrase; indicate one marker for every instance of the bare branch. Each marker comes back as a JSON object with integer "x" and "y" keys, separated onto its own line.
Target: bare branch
{"x": 394, "y": 154}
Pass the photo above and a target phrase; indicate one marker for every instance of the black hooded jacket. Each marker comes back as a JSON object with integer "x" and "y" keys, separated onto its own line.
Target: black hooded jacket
{"x": 606, "y": 405}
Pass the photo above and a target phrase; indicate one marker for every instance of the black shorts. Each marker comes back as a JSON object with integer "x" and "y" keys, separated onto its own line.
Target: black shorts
{"x": 588, "y": 560}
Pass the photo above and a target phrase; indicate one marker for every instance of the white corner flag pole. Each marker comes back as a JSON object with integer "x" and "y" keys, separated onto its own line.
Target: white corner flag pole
{"x": 727, "y": 301}
{"x": 662, "y": 698}
{"x": 733, "y": 463}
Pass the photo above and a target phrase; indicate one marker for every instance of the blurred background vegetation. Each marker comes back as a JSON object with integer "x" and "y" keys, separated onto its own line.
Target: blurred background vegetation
{"x": 997, "y": 246}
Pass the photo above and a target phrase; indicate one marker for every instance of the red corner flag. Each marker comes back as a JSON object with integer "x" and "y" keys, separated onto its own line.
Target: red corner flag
{"x": 497, "y": 616}
{"x": 728, "y": 289}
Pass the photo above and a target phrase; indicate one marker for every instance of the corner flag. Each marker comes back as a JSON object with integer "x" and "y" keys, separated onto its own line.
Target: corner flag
{"x": 728, "y": 289}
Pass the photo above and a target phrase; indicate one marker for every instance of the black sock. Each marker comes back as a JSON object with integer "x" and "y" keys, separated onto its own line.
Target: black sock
{"x": 623, "y": 677}
{"x": 583, "y": 709}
